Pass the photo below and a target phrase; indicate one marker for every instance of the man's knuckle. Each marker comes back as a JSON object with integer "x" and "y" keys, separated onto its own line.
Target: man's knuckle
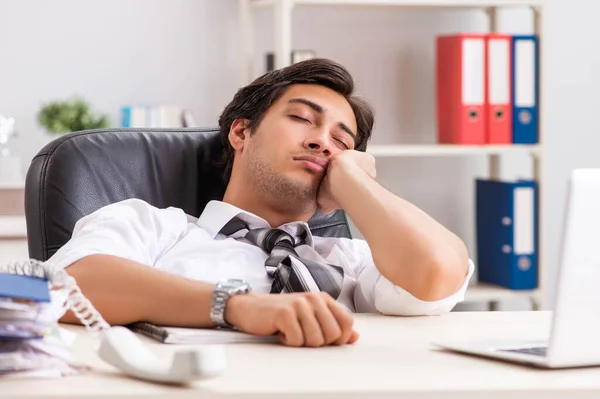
{"x": 325, "y": 295}
{"x": 347, "y": 326}
{"x": 315, "y": 340}
{"x": 310, "y": 295}
{"x": 333, "y": 334}
{"x": 300, "y": 303}
{"x": 345, "y": 320}
{"x": 287, "y": 313}
{"x": 313, "y": 297}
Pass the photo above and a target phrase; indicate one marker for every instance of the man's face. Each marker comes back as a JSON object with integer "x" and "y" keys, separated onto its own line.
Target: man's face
{"x": 286, "y": 156}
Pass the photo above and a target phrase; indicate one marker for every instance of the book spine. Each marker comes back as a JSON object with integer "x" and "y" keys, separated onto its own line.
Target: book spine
{"x": 149, "y": 331}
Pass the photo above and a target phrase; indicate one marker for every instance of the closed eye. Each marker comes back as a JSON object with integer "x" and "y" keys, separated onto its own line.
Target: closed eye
{"x": 346, "y": 146}
{"x": 299, "y": 118}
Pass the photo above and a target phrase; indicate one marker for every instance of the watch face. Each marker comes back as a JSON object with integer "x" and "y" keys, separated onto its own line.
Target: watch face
{"x": 234, "y": 285}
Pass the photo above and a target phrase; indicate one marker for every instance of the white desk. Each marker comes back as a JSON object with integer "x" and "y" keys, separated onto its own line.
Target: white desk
{"x": 393, "y": 359}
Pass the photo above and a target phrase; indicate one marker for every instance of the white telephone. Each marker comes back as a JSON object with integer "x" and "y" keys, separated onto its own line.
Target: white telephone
{"x": 119, "y": 346}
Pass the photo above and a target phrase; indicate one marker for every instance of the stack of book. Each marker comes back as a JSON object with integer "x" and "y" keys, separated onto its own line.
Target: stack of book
{"x": 31, "y": 343}
{"x": 156, "y": 116}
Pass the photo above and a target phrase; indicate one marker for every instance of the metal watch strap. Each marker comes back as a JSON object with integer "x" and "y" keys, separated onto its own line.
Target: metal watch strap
{"x": 217, "y": 311}
{"x": 223, "y": 291}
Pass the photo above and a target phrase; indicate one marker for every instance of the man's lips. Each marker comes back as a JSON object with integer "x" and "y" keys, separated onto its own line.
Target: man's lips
{"x": 314, "y": 163}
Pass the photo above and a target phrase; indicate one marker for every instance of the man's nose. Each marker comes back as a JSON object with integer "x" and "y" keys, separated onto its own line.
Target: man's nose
{"x": 318, "y": 142}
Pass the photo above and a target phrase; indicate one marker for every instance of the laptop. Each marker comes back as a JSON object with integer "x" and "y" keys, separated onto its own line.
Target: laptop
{"x": 574, "y": 336}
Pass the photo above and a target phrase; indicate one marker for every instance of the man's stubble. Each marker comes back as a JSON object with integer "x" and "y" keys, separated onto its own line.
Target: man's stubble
{"x": 280, "y": 191}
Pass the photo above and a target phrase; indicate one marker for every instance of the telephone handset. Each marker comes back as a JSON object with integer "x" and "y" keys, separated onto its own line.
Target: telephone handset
{"x": 119, "y": 346}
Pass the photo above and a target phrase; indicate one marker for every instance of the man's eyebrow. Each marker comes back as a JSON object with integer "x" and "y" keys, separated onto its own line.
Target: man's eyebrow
{"x": 316, "y": 107}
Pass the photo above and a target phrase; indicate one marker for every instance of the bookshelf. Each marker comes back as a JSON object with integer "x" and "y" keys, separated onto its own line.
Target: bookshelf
{"x": 12, "y": 226}
{"x": 13, "y": 229}
{"x": 12, "y": 185}
{"x": 282, "y": 32}
{"x": 405, "y": 3}
{"x": 443, "y": 150}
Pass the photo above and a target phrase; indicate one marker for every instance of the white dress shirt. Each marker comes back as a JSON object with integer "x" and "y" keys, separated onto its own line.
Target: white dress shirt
{"x": 174, "y": 242}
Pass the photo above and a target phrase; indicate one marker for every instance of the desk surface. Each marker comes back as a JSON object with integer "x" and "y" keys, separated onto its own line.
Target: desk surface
{"x": 392, "y": 359}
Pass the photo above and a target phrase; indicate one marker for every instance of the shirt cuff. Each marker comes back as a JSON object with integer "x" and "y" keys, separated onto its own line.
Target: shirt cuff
{"x": 390, "y": 299}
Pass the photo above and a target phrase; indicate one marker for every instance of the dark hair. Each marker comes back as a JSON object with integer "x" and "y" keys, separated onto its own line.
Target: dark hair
{"x": 254, "y": 100}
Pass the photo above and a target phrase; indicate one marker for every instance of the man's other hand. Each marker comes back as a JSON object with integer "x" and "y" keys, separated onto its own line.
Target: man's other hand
{"x": 349, "y": 162}
{"x": 299, "y": 319}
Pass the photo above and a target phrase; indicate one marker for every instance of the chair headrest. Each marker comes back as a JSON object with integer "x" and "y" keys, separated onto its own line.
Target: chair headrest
{"x": 78, "y": 173}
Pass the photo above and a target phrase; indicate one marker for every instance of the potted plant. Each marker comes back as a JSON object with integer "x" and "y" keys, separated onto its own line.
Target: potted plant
{"x": 71, "y": 115}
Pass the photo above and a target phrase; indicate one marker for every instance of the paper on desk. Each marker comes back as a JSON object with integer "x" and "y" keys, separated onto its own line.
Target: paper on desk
{"x": 40, "y": 312}
{"x": 32, "y": 345}
{"x": 27, "y": 319}
{"x": 10, "y": 331}
{"x": 200, "y": 336}
{"x": 48, "y": 357}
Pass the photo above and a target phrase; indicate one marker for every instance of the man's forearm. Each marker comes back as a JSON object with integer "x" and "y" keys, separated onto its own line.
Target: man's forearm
{"x": 409, "y": 247}
{"x": 124, "y": 291}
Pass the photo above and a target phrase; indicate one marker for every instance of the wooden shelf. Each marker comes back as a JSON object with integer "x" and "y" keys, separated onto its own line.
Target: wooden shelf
{"x": 413, "y": 150}
{"x": 12, "y": 185}
{"x": 410, "y": 3}
{"x": 480, "y": 292}
{"x": 13, "y": 227}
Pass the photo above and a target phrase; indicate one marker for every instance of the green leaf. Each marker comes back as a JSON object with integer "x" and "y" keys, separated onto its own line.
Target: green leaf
{"x": 70, "y": 115}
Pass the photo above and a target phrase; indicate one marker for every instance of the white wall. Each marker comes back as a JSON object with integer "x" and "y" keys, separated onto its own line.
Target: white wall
{"x": 115, "y": 52}
{"x": 185, "y": 51}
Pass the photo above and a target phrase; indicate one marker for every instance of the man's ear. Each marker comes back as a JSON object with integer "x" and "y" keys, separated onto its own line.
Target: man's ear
{"x": 238, "y": 133}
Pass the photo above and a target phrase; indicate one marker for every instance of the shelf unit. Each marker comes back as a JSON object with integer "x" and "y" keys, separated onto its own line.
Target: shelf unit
{"x": 282, "y": 33}
{"x": 406, "y": 3}
{"x": 12, "y": 227}
{"x": 444, "y": 150}
{"x": 16, "y": 185}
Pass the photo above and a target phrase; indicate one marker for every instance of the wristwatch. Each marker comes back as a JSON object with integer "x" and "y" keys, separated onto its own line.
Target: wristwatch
{"x": 224, "y": 290}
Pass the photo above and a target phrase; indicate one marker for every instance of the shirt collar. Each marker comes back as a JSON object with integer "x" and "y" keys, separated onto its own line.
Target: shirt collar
{"x": 217, "y": 213}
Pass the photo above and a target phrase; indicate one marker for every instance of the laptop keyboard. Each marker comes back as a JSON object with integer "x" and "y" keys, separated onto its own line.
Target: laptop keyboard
{"x": 538, "y": 351}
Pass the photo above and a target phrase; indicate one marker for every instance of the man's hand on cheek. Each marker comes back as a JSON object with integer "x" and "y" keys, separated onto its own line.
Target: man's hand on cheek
{"x": 350, "y": 163}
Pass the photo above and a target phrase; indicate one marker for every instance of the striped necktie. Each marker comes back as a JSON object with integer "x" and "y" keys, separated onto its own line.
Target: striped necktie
{"x": 290, "y": 273}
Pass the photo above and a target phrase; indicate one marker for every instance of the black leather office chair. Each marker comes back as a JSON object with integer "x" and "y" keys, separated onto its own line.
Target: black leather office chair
{"x": 78, "y": 173}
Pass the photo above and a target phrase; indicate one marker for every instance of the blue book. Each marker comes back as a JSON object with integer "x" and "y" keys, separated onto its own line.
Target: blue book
{"x": 17, "y": 286}
{"x": 525, "y": 89}
{"x": 126, "y": 116}
{"x": 506, "y": 230}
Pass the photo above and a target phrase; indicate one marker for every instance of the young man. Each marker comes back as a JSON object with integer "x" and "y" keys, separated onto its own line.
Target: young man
{"x": 294, "y": 142}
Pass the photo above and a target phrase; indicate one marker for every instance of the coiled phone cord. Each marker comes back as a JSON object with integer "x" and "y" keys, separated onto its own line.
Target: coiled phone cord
{"x": 81, "y": 307}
